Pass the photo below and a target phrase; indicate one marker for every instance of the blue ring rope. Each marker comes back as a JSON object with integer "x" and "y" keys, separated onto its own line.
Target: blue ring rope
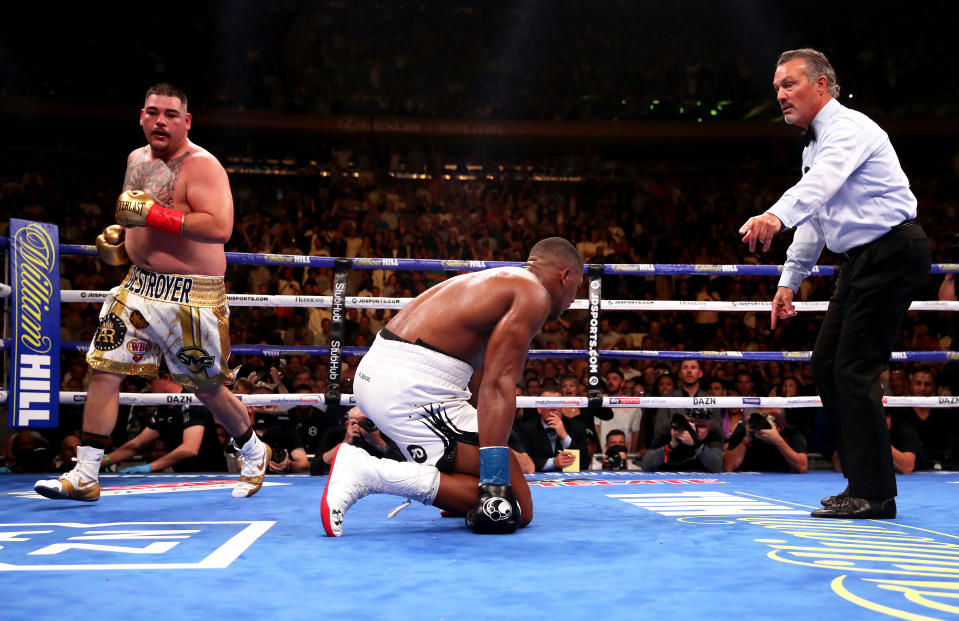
{"x": 299, "y": 260}
{"x": 277, "y": 351}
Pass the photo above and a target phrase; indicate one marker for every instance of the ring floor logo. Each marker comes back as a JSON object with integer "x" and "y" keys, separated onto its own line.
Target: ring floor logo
{"x": 58, "y": 546}
{"x": 888, "y": 568}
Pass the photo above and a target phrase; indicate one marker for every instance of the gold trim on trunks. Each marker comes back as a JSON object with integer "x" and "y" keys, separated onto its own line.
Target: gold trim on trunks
{"x": 121, "y": 368}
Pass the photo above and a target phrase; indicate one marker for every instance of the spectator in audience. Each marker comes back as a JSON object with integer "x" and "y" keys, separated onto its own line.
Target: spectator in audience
{"x": 626, "y": 419}
{"x": 549, "y": 437}
{"x": 64, "y": 460}
{"x": 908, "y": 454}
{"x": 765, "y": 442}
{"x": 588, "y": 416}
{"x": 615, "y": 455}
{"x": 188, "y": 428}
{"x": 356, "y": 429}
{"x": 746, "y": 387}
{"x": 898, "y": 381}
{"x": 800, "y": 418}
{"x": 690, "y": 376}
{"x": 728, "y": 418}
{"x": 691, "y": 444}
{"x": 26, "y": 451}
{"x": 276, "y": 428}
{"x": 310, "y": 422}
{"x": 938, "y": 427}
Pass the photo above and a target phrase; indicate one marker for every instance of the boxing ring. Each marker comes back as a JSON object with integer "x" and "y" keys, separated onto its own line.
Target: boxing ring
{"x": 602, "y": 544}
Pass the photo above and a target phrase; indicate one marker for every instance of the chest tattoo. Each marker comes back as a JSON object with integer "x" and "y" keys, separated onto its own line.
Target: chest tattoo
{"x": 158, "y": 179}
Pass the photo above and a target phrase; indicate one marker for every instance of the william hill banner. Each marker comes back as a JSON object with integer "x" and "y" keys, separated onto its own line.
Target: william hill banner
{"x": 35, "y": 310}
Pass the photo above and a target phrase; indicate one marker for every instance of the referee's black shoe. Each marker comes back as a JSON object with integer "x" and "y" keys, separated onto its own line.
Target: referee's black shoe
{"x": 861, "y": 508}
{"x": 832, "y": 501}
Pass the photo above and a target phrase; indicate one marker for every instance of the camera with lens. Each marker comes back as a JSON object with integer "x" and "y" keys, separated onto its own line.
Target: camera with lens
{"x": 681, "y": 423}
{"x": 614, "y": 458}
{"x": 367, "y": 425}
{"x": 279, "y": 455}
{"x": 759, "y": 421}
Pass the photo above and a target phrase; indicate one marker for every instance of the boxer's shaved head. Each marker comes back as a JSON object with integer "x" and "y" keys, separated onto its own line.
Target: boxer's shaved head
{"x": 559, "y": 251}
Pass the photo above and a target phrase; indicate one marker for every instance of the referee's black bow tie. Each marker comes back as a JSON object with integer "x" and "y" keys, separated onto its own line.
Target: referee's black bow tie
{"x": 808, "y": 136}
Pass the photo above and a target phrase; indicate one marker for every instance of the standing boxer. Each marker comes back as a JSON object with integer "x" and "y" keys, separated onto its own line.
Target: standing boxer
{"x": 177, "y": 210}
{"x": 854, "y": 198}
{"x": 469, "y": 332}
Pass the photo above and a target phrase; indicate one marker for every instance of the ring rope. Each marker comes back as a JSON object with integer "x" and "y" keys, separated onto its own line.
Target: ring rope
{"x": 275, "y": 351}
{"x": 463, "y": 265}
{"x": 645, "y": 269}
{"x": 241, "y": 299}
{"x": 148, "y": 399}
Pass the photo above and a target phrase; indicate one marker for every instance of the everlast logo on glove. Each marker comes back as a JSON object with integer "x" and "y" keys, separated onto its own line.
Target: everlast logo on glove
{"x": 133, "y": 202}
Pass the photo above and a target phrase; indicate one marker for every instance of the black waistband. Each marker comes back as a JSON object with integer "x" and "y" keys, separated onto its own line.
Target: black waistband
{"x": 393, "y": 336}
{"x": 853, "y": 252}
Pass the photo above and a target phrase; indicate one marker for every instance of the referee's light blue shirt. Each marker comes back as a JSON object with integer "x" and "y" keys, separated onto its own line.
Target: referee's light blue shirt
{"x": 853, "y": 191}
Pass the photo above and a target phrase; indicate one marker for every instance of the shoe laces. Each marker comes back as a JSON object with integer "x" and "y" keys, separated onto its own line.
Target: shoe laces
{"x": 392, "y": 514}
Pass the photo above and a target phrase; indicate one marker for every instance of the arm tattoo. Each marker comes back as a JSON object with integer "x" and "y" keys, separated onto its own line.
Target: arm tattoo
{"x": 156, "y": 178}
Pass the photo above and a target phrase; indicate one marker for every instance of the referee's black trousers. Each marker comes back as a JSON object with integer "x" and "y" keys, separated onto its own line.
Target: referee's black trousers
{"x": 876, "y": 285}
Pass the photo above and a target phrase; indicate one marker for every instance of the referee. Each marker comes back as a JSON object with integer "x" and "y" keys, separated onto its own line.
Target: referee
{"x": 854, "y": 198}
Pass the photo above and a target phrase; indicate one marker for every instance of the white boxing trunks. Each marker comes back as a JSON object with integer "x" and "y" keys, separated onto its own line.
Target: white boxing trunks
{"x": 185, "y": 319}
{"x": 419, "y": 398}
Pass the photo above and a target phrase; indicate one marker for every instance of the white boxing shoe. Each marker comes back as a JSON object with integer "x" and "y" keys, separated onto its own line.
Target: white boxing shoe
{"x": 71, "y": 486}
{"x": 349, "y": 480}
{"x": 255, "y": 456}
{"x": 81, "y": 483}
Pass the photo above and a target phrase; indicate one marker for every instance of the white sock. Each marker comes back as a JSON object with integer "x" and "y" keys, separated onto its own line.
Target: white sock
{"x": 419, "y": 482}
{"x": 88, "y": 461}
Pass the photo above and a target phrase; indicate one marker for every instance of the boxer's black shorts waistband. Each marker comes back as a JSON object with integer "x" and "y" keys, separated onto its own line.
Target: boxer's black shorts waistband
{"x": 393, "y": 336}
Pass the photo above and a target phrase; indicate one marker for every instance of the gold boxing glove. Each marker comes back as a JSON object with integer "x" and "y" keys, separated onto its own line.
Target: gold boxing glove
{"x": 111, "y": 246}
{"x": 137, "y": 208}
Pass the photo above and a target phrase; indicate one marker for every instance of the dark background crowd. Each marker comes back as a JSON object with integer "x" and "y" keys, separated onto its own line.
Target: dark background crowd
{"x": 70, "y": 97}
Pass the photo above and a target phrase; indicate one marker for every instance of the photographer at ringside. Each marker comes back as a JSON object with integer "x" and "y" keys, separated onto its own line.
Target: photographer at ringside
{"x": 764, "y": 442}
{"x": 616, "y": 455}
{"x": 361, "y": 432}
{"x": 276, "y": 428}
{"x": 188, "y": 431}
{"x": 692, "y": 444}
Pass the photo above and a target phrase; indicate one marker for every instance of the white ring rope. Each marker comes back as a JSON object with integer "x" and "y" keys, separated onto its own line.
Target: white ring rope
{"x": 145, "y": 399}
{"x": 237, "y": 299}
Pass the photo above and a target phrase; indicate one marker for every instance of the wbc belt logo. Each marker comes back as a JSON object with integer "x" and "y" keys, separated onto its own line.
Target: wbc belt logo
{"x": 139, "y": 348}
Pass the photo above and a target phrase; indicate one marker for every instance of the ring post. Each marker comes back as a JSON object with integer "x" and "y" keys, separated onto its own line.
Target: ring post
{"x": 341, "y": 277}
{"x": 595, "y": 293}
